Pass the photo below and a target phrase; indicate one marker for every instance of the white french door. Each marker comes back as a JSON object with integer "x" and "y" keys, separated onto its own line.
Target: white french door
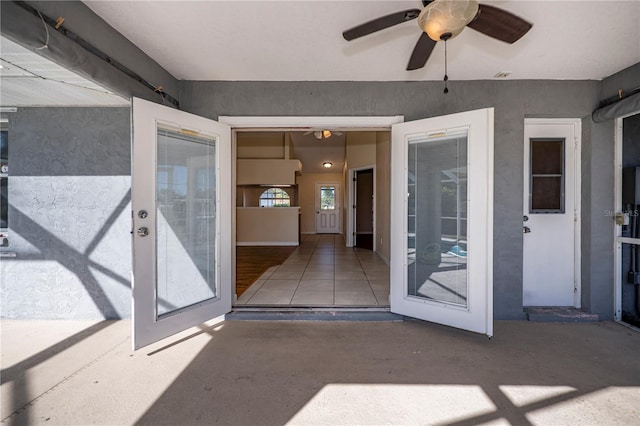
{"x": 181, "y": 198}
{"x": 442, "y": 220}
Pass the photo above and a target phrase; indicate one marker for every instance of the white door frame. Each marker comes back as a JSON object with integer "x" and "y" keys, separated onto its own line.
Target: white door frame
{"x": 577, "y": 249}
{"x": 618, "y": 240}
{"x": 294, "y": 123}
{"x": 351, "y": 201}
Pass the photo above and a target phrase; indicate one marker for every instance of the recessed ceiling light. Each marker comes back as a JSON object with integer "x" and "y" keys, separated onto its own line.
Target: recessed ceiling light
{"x": 327, "y": 164}
{"x": 503, "y": 74}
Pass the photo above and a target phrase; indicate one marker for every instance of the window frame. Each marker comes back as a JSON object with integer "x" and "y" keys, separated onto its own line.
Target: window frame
{"x": 274, "y": 199}
{"x": 562, "y": 176}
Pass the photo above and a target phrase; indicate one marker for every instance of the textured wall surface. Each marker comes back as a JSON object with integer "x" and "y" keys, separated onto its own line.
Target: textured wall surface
{"x": 512, "y": 100}
{"x": 69, "y": 214}
{"x": 70, "y": 183}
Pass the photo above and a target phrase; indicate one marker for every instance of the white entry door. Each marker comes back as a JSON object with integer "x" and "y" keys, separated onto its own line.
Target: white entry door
{"x": 181, "y": 198}
{"x": 328, "y": 208}
{"x": 550, "y": 216}
{"x": 442, "y": 220}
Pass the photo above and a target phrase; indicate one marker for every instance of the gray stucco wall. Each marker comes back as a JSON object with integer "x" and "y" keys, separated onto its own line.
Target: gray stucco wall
{"x": 513, "y": 102}
{"x": 69, "y": 214}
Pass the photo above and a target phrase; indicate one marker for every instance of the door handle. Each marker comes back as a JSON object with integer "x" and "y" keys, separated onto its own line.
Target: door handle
{"x": 526, "y": 230}
{"x": 143, "y": 231}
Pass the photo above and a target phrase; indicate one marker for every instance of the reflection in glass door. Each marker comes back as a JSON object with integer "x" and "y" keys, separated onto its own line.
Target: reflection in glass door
{"x": 186, "y": 220}
{"x": 437, "y": 219}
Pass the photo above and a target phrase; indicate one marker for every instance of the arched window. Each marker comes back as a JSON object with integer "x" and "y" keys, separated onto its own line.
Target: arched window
{"x": 275, "y": 197}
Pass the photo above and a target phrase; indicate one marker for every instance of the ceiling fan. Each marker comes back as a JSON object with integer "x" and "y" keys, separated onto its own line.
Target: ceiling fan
{"x": 445, "y": 19}
{"x": 322, "y": 134}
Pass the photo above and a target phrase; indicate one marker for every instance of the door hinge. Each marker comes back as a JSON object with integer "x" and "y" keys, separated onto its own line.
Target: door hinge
{"x": 575, "y": 287}
{"x": 354, "y": 206}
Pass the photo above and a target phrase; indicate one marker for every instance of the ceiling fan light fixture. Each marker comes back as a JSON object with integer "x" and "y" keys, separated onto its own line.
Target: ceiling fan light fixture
{"x": 326, "y": 134}
{"x": 447, "y": 18}
{"x": 317, "y": 134}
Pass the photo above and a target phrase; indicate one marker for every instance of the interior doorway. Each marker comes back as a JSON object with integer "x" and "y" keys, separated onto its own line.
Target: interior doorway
{"x": 322, "y": 261}
{"x": 363, "y": 209}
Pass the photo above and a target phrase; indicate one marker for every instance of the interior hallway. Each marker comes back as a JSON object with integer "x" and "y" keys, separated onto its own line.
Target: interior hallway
{"x": 322, "y": 271}
{"x": 321, "y": 373}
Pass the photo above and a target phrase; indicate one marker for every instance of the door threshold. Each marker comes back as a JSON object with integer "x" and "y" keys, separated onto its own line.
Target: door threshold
{"x": 261, "y": 313}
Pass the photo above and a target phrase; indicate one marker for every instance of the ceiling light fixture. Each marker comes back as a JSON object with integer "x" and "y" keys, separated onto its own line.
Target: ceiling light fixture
{"x": 322, "y": 134}
{"x": 444, "y": 17}
{"x": 327, "y": 164}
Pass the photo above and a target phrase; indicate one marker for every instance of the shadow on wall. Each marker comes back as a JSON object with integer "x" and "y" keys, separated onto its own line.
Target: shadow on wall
{"x": 56, "y": 277}
{"x": 69, "y": 217}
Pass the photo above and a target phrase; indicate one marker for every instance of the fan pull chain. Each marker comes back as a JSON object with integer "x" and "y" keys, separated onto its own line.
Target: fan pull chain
{"x": 446, "y": 77}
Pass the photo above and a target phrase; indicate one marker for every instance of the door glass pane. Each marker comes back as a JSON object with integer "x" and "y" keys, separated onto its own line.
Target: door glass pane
{"x": 547, "y": 176}
{"x": 186, "y": 220}
{"x": 327, "y": 198}
{"x": 437, "y": 219}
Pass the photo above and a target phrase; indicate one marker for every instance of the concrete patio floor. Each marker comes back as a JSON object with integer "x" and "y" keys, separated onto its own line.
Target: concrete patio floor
{"x": 285, "y": 372}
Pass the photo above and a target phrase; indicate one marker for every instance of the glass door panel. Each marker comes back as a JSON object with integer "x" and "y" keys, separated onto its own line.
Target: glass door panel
{"x": 437, "y": 219}
{"x": 186, "y": 220}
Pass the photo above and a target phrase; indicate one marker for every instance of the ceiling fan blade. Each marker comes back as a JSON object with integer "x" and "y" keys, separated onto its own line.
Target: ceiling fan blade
{"x": 380, "y": 24}
{"x": 421, "y": 52}
{"x": 499, "y": 24}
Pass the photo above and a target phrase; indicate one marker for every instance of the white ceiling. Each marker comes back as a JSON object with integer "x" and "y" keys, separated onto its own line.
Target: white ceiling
{"x": 302, "y": 40}
{"x": 28, "y": 79}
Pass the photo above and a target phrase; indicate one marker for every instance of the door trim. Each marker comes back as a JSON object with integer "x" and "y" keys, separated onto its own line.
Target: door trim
{"x": 577, "y": 236}
{"x": 618, "y": 240}
{"x": 351, "y": 201}
{"x": 307, "y": 123}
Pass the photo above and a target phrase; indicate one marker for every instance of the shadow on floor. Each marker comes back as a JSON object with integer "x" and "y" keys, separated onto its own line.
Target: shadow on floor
{"x": 406, "y": 373}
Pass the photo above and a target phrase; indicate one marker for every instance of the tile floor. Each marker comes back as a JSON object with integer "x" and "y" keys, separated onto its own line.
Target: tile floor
{"x": 322, "y": 272}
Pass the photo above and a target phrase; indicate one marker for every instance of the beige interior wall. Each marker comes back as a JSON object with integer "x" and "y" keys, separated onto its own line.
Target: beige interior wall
{"x": 267, "y": 226}
{"x": 266, "y": 171}
{"x": 360, "y": 149}
{"x": 261, "y": 145}
{"x": 307, "y": 197}
{"x": 345, "y": 198}
{"x": 383, "y": 194}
